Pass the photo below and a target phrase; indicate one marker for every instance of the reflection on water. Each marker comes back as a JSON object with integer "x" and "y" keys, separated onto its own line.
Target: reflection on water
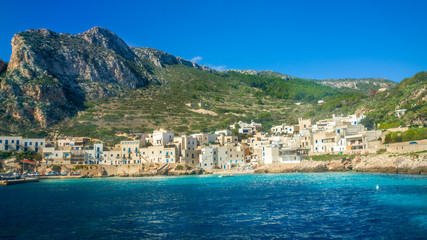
{"x": 324, "y": 205}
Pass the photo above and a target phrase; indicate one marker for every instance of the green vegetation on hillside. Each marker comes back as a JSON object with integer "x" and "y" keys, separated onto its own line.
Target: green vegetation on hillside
{"x": 295, "y": 89}
{"x": 409, "y": 135}
{"x": 409, "y": 94}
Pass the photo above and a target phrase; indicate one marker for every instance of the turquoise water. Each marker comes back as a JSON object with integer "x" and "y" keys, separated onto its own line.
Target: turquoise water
{"x": 294, "y": 206}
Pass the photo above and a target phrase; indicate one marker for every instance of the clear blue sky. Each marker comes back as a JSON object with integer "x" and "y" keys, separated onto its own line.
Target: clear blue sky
{"x": 311, "y": 39}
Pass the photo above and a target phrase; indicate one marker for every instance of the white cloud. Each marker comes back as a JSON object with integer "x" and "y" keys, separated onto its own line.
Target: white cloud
{"x": 196, "y": 59}
{"x": 218, "y": 68}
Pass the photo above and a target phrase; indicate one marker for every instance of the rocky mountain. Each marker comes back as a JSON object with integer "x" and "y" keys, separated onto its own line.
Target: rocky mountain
{"x": 51, "y": 75}
{"x": 94, "y": 84}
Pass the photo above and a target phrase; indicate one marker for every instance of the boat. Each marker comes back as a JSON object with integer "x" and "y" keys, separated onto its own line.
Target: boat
{"x": 9, "y": 176}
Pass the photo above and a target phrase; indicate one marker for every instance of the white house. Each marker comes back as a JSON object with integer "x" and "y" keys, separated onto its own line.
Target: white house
{"x": 12, "y": 143}
{"x": 162, "y": 137}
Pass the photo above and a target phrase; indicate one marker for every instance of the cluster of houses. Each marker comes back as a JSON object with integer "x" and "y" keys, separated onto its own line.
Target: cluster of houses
{"x": 219, "y": 150}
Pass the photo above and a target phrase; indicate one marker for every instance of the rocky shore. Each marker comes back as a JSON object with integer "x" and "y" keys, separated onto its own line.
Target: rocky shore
{"x": 378, "y": 163}
{"x": 129, "y": 170}
{"x": 372, "y": 163}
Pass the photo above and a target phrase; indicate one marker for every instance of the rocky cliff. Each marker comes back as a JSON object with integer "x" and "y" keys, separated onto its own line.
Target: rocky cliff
{"x": 51, "y": 75}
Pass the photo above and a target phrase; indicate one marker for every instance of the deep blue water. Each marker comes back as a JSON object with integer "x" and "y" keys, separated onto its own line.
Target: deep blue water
{"x": 270, "y": 206}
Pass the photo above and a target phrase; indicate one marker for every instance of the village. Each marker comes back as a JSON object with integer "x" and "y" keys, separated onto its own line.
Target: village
{"x": 220, "y": 150}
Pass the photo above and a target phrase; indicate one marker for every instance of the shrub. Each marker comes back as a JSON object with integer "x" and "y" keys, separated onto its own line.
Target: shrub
{"x": 56, "y": 168}
{"x": 382, "y": 150}
{"x": 179, "y": 167}
{"x": 77, "y": 167}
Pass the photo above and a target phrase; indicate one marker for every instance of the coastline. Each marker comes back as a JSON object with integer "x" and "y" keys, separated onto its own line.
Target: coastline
{"x": 415, "y": 164}
{"x": 373, "y": 163}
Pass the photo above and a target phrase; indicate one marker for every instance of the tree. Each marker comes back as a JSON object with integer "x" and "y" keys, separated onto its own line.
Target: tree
{"x": 368, "y": 123}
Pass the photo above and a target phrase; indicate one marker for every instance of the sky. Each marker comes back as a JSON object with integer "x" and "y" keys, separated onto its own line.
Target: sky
{"x": 315, "y": 39}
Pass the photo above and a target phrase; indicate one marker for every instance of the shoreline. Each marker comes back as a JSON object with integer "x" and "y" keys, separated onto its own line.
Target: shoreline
{"x": 414, "y": 164}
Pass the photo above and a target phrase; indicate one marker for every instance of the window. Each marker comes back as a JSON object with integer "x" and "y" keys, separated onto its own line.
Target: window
{"x": 41, "y": 143}
{"x": 13, "y": 141}
{"x": 26, "y": 144}
{"x": 1, "y": 141}
{"x": 322, "y": 140}
{"x": 31, "y": 143}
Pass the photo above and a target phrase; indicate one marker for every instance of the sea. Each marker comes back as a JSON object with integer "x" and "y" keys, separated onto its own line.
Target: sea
{"x": 253, "y": 206}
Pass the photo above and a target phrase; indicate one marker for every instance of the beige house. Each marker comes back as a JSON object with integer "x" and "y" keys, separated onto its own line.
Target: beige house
{"x": 57, "y": 157}
{"x": 159, "y": 154}
{"x": 222, "y": 139}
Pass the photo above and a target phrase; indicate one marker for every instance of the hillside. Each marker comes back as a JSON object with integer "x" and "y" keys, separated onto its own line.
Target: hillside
{"x": 366, "y": 86}
{"x": 93, "y": 84}
{"x": 409, "y": 94}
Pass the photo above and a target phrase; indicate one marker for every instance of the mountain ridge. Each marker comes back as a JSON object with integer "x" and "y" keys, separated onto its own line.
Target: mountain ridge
{"x": 56, "y": 77}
